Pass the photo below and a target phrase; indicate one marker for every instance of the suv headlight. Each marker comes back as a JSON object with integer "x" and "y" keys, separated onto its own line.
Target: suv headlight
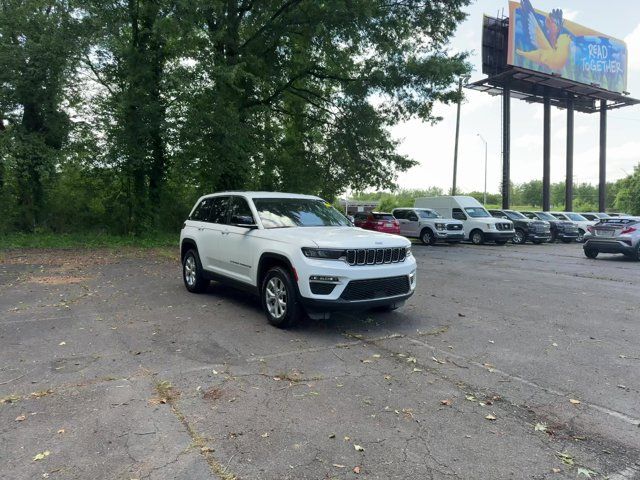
{"x": 408, "y": 252}
{"x": 491, "y": 226}
{"x": 441, "y": 226}
{"x": 323, "y": 253}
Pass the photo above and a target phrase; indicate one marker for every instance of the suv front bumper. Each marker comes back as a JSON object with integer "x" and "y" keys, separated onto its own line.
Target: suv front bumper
{"x": 450, "y": 235}
{"x": 353, "y": 287}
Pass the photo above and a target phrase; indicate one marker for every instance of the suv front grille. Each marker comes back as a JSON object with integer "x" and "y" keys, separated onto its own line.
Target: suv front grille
{"x": 376, "y": 288}
{"x": 503, "y": 226}
{"x": 454, "y": 226}
{"x": 376, "y": 256}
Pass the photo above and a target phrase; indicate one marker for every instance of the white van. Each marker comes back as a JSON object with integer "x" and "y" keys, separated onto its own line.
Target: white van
{"x": 479, "y": 225}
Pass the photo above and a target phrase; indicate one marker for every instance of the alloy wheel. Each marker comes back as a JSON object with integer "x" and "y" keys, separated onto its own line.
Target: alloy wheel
{"x": 190, "y": 270}
{"x": 276, "y": 297}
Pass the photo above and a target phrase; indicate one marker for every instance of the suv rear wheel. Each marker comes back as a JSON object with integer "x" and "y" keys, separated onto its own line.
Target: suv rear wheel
{"x": 192, "y": 272}
{"x": 591, "y": 253}
{"x": 279, "y": 298}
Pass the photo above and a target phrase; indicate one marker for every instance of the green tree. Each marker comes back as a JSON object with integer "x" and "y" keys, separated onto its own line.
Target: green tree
{"x": 628, "y": 195}
{"x": 38, "y": 43}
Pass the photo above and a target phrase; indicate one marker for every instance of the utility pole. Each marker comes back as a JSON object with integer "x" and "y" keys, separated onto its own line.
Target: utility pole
{"x": 455, "y": 153}
{"x": 485, "y": 169}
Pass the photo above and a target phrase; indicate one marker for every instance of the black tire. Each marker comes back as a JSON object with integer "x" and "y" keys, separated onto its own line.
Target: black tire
{"x": 591, "y": 253}
{"x": 568, "y": 240}
{"x": 581, "y": 234}
{"x": 427, "y": 237}
{"x": 192, "y": 274}
{"x": 554, "y": 236}
{"x": 477, "y": 237}
{"x": 520, "y": 238}
{"x": 278, "y": 291}
{"x": 501, "y": 242}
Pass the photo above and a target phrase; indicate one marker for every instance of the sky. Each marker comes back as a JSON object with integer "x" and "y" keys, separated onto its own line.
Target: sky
{"x": 433, "y": 146}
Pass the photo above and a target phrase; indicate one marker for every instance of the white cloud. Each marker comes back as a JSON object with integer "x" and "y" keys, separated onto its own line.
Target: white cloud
{"x": 633, "y": 45}
{"x": 570, "y": 15}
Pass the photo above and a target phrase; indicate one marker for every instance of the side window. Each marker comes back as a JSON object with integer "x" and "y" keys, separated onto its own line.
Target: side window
{"x": 240, "y": 213}
{"x": 201, "y": 213}
{"x": 219, "y": 210}
{"x": 458, "y": 214}
{"x": 411, "y": 216}
{"x": 400, "y": 214}
{"x": 496, "y": 214}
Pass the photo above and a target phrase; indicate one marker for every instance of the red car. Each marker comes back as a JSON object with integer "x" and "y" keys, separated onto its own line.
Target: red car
{"x": 380, "y": 222}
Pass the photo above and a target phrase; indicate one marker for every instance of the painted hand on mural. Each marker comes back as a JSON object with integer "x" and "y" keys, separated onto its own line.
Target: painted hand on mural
{"x": 553, "y": 46}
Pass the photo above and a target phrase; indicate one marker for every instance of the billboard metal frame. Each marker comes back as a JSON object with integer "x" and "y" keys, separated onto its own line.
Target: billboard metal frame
{"x": 550, "y": 90}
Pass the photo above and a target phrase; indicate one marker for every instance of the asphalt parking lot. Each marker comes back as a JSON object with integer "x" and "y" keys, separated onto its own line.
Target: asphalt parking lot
{"x": 509, "y": 362}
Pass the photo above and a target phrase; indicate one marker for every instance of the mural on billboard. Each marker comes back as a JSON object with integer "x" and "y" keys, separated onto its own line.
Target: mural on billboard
{"x": 548, "y": 43}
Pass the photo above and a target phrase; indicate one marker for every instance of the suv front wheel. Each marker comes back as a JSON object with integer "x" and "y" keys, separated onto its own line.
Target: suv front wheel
{"x": 279, "y": 298}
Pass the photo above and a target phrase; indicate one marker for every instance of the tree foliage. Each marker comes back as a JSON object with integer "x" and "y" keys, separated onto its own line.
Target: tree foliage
{"x": 129, "y": 109}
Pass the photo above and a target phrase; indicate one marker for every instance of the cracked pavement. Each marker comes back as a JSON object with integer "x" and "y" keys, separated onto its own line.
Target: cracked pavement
{"x": 112, "y": 367}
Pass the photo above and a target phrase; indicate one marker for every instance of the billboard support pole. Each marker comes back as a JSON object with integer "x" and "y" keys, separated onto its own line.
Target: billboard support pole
{"x": 602, "y": 187}
{"x": 506, "y": 146}
{"x": 568, "y": 188}
{"x": 546, "y": 156}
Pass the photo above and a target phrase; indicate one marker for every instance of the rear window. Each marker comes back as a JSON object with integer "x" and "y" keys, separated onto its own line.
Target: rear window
{"x": 383, "y": 216}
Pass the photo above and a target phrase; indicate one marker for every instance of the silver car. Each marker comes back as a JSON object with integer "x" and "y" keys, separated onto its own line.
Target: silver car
{"x": 614, "y": 235}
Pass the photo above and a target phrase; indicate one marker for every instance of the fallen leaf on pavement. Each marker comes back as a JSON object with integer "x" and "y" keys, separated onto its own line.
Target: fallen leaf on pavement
{"x": 387, "y": 377}
{"x": 556, "y": 470}
{"x": 41, "y": 456}
{"x": 333, "y": 435}
{"x": 358, "y": 448}
{"x": 61, "y": 431}
{"x": 490, "y": 417}
{"x": 442, "y": 362}
{"x": 42, "y": 393}
{"x": 265, "y": 435}
{"x": 417, "y": 369}
{"x": 471, "y": 398}
{"x": 566, "y": 458}
{"x": 62, "y": 344}
{"x": 10, "y": 399}
{"x": 337, "y": 465}
{"x": 574, "y": 401}
{"x": 446, "y": 402}
{"x": 356, "y": 469}
{"x": 376, "y": 355}
{"x": 207, "y": 449}
{"x": 586, "y": 472}
{"x": 540, "y": 427}
{"x": 366, "y": 360}
{"x": 411, "y": 360}
{"x": 21, "y": 418}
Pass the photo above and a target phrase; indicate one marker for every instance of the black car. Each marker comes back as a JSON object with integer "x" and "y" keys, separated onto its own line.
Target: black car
{"x": 537, "y": 231}
{"x": 562, "y": 230}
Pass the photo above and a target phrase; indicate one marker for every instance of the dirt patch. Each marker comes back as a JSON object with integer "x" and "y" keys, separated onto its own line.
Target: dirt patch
{"x": 57, "y": 280}
{"x": 213, "y": 394}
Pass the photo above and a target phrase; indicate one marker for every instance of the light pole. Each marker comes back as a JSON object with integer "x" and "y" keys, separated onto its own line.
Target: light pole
{"x": 485, "y": 169}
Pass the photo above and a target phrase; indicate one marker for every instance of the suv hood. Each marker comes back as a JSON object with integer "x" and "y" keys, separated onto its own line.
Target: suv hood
{"x": 335, "y": 237}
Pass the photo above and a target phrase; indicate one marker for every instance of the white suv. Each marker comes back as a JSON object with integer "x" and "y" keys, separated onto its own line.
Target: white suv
{"x": 296, "y": 252}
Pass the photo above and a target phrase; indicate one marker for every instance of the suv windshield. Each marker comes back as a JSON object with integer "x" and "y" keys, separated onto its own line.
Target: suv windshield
{"x": 477, "y": 212}
{"x": 575, "y": 217}
{"x": 546, "y": 216}
{"x": 428, "y": 214}
{"x": 513, "y": 215}
{"x": 298, "y": 212}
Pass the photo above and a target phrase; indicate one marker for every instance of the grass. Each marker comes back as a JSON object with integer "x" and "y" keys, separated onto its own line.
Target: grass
{"x": 85, "y": 240}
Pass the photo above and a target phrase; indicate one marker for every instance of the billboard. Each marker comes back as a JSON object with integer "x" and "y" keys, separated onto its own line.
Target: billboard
{"x": 546, "y": 42}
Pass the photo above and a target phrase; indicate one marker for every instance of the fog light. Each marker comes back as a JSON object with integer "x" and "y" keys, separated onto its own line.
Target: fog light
{"x": 323, "y": 278}
{"x": 412, "y": 278}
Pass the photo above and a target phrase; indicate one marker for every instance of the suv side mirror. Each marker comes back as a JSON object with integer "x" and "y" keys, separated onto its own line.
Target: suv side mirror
{"x": 243, "y": 221}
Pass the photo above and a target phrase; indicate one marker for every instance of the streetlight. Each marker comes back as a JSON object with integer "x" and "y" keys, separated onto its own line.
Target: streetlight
{"x": 485, "y": 168}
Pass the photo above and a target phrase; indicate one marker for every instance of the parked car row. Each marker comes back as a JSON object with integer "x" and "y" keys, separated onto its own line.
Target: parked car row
{"x": 452, "y": 219}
